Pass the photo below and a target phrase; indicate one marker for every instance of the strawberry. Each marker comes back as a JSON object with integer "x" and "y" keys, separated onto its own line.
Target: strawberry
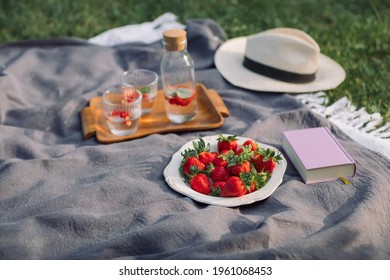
{"x": 219, "y": 184}
{"x": 244, "y": 152}
{"x": 181, "y": 97}
{"x": 192, "y": 166}
{"x": 239, "y": 151}
{"x": 201, "y": 183}
{"x": 129, "y": 95}
{"x": 207, "y": 157}
{"x": 219, "y": 173}
{"x": 234, "y": 186}
{"x": 234, "y": 170}
{"x": 265, "y": 160}
{"x": 227, "y": 143}
{"x": 217, "y": 187}
{"x": 248, "y": 146}
{"x": 253, "y": 180}
{"x": 240, "y": 163}
{"x": 222, "y": 158}
{"x": 175, "y": 100}
{"x": 269, "y": 166}
{"x": 239, "y": 168}
{"x": 250, "y": 188}
{"x": 203, "y": 152}
{"x": 257, "y": 161}
{"x": 252, "y": 143}
{"x": 127, "y": 122}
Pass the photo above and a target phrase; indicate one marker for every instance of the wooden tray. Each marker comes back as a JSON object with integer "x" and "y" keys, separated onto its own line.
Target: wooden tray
{"x": 210, "y": 115}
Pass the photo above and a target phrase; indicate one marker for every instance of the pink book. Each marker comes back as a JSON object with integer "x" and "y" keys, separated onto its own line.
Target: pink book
{"x": 317, "y": 155}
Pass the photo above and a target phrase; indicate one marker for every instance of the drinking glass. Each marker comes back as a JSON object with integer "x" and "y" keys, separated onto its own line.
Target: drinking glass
{"x": 122, "y": 110}
{"x": 144, "y": 81}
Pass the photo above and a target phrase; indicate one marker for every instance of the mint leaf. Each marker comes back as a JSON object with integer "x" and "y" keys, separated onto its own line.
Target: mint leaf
{"x": 183, "y": 92}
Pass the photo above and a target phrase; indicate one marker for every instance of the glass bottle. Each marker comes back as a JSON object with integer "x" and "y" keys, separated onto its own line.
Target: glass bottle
{"x": 178, "y": 77}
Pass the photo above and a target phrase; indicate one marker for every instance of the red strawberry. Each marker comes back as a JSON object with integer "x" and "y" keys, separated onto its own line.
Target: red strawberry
{"x": 251, "y": 187}
{"x": 179, "y": 101}
{"x": 239, "y": 168}
{"x": 227, "y": 143}
{"x": 176, "y": 100}
{"x": 219, "y": 184}
{"x": 244, "y": 152}
{"x": 203, "y": 152}
{"x": 269, "y": 166}
{"x": 129, "y": 95}
{"x": 265, "y": 160}
{"x": 234, "y": 187}
{"x": 192, "y": 166}
{"x": 207, "y": 157}
{"x": 219, "y": 173}
{"x": 239, "y": 151}
{"x": 252, "y": 143}
{"x": 217, "y": 187}
{"x": 222, "y": 158}
{"x": 253, "y": 180}
{"x": 257, "y": 161}
{"x": 201, "y": 183}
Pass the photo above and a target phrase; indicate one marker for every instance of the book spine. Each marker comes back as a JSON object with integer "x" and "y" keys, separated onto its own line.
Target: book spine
{"x": 292, "y": 155}
{"x": 339, "y": 145}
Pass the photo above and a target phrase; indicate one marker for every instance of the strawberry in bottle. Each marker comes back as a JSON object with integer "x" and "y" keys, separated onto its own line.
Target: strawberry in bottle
{"x": 178, "y": 77}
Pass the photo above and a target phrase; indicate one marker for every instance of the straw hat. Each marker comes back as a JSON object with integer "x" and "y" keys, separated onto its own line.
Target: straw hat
{"x": 278, "y": 60}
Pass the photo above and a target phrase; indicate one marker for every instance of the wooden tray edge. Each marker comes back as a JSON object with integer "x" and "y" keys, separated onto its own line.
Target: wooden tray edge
{"x": 88, "y": 123}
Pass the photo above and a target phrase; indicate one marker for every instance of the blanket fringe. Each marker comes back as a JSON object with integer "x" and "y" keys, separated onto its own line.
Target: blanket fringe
{"x": 343, "y": 111}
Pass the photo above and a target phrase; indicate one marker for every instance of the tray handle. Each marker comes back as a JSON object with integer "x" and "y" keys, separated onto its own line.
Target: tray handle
{"x": 88, "y": 123}
{"x": 217, "y": 101}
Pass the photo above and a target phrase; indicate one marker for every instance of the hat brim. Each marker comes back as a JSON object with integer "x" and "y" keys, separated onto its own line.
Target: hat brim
{"x": 229, "y": 62}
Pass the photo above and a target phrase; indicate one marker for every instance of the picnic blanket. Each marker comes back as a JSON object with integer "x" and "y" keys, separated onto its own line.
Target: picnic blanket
{"x": 63, "y": 197}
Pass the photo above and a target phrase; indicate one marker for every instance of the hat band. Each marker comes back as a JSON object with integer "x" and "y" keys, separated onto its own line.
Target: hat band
{"x": 277, "y": 74}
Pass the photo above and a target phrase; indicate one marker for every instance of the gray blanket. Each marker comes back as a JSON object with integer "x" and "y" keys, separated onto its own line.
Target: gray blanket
{"x": 62, "y": 197}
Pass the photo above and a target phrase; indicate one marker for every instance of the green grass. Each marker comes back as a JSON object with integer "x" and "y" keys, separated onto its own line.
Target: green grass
{"x": 354, "y": 33}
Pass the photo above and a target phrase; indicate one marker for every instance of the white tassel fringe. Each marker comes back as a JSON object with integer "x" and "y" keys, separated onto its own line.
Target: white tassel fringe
{"x": 361, "y": 126}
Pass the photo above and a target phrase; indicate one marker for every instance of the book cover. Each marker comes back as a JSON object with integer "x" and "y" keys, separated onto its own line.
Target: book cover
{"x": 317, "y": 155}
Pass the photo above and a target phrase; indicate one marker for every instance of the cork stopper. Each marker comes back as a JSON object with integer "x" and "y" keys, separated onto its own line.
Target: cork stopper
{"x": 175, "y": 39}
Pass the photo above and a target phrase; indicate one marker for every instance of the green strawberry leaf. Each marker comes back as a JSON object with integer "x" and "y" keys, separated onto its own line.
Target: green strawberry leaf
{"x": 215, "y": 191}
{"x": 201, "y": 146}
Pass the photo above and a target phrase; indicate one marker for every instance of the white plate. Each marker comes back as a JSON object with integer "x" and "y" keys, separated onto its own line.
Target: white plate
{"x": 176, "y": 181}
